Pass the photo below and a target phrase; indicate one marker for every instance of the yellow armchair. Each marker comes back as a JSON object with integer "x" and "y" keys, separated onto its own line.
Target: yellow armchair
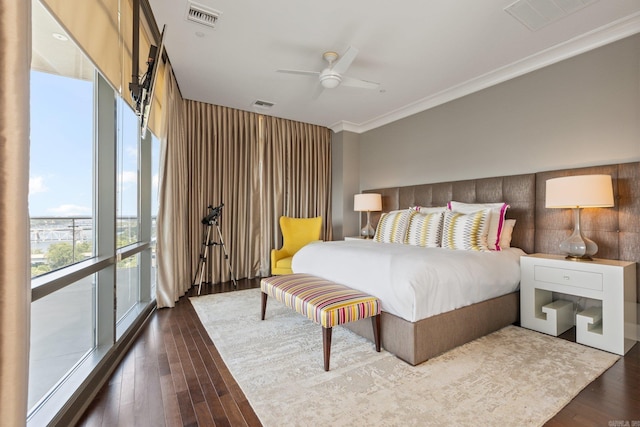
{"x": 296, "y": 232}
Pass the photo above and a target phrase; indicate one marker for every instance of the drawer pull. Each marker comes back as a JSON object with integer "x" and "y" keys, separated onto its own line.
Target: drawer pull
{"x": 565, "y": 277}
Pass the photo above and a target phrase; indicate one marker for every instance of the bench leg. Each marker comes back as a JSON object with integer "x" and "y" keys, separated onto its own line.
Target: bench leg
{"x": 264, "y": 305}
{"x": 326, "y": 346}
{"x": 375, "y": 321}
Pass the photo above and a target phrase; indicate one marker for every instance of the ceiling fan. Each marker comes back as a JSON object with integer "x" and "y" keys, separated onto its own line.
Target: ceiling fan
{"x": 332, "y": 76}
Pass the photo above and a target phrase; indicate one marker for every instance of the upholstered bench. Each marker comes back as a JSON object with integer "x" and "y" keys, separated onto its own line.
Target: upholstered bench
{"x": 324, "y": 302}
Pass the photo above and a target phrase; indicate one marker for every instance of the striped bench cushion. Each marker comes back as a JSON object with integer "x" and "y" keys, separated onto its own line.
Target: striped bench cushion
{"x": 322, "y": 301}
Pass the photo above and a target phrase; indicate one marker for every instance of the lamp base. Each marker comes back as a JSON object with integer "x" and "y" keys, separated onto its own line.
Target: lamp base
{"x": 367, "y": 231}
{"x": 577, "y": 247}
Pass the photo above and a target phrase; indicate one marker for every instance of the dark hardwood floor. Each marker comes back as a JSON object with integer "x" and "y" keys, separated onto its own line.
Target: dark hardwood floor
{"x": 174, "y": 376}
{"x": 612, "y": 400}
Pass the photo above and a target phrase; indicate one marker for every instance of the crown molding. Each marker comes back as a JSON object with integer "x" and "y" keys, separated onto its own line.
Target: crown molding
{"x": 610, "y": 33}
{"x": 345, "y": 126}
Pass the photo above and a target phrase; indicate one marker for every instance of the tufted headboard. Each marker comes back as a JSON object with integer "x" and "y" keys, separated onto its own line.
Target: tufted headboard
{"x": 517, "y": 190}
{"x": 616, "y": 230}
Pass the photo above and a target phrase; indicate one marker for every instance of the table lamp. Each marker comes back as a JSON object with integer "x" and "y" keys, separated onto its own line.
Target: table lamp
{"x": 577, "y": 192}
{"x": 367, "y": 202}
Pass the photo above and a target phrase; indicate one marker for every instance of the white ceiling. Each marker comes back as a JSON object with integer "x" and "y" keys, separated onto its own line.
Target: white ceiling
{"x": 423, "y": 52}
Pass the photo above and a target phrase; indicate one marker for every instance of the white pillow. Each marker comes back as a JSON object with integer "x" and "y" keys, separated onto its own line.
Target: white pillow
{"x": 392, "y": 227}
{"x": 425, "y": 229}
{"x": 466, "y": 231}
{"x": 496, "y": 222}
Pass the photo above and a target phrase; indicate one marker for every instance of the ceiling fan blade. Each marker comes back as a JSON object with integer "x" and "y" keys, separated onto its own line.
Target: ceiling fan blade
{"x": 317, "y": 92}
{"x": 300, "y": 72}
{"x": 344, "y": 62}
{"x": 363, "y": 84}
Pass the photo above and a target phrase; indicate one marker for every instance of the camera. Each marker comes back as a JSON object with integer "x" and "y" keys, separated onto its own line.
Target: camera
{"x": 213, "y": 214}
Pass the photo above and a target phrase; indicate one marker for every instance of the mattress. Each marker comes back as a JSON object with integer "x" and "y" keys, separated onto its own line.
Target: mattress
{"x": 413, "y": 282}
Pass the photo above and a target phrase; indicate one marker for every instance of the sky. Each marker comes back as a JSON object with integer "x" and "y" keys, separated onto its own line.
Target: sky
{"x": 61, "y": 162}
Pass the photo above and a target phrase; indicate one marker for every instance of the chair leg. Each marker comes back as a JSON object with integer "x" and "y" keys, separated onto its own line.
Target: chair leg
{"x": 375, "y": 321}
{"x": 264, "y": 305}
{"x": 326, "y": 346}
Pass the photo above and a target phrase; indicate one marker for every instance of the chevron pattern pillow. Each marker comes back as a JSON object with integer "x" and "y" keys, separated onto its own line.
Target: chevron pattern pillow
{"x": 496, "y": 221}
{"x": 425, "y": 229}
{"x": 392, "y": 227}
{"x": 466, "y": 231}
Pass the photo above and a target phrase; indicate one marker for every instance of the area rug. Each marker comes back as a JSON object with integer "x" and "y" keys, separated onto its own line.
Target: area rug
{"x": 512, "y": 377}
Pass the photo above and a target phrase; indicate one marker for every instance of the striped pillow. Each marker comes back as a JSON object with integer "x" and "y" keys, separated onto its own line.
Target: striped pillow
{"x": 496, "y": 221}
{"x": 425, "y": 229}
{"x": 466, "y": 231}
{"x": 392, "y": 227}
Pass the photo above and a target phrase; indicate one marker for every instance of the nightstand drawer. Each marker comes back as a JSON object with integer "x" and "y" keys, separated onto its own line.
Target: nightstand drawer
{"x": 566, "y": 277}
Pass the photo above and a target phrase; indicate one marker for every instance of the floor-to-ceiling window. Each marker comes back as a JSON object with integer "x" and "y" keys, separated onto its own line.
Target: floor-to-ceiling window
{"x": 155, "y": 171}
{"x": 61, "y": 163}
{"x": 90, "y": 197}
{"x": 61, "y": 200}
{"x": 127, "y": 153}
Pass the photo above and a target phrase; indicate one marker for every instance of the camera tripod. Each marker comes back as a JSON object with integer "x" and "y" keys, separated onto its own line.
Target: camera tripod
{"x": 210, "y": 221}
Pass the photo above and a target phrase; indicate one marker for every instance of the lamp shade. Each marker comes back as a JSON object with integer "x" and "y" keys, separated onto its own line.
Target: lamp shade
{"x": 581, "y": 191}
{"x": 367, "y": 202}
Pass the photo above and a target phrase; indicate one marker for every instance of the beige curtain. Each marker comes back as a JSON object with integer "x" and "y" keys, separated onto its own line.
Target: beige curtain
{"x": 259, "y": 167}
{"x": 172, "y": 239}
{"x": 224, "y": 168}
{"x": 296, "y": 176}
{"x": 15, "y": 298}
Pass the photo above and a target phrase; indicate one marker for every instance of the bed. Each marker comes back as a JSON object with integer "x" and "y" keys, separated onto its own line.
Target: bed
{"x": 537, "y": 230}
{"x": 418, "y": 332}
{"x": 413, "y": 282}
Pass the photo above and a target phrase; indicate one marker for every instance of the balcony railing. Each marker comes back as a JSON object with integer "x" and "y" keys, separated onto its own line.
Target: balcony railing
{"x": 57, "y": 242}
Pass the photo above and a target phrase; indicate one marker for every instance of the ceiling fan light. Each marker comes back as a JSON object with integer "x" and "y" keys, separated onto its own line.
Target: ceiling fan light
{"x": 330, "y": 81}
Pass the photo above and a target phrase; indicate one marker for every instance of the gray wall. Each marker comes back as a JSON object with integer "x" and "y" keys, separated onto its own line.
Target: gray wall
{"x": 583, "y": 111}
{"x": 345, "y": 181}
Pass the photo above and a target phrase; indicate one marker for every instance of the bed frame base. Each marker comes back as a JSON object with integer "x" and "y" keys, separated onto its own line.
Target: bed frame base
{"x": 416, "y": 342}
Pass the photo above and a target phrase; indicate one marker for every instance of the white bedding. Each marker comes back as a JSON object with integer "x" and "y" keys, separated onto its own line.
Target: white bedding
{"x": 411, "y": 281}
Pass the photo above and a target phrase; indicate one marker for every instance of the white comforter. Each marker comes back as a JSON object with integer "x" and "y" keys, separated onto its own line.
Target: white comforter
{"x": 413, "y": 282}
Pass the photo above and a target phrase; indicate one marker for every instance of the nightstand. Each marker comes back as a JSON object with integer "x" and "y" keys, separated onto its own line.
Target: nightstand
{"x": 354, "y": 238}
{"x": 610, "y": 325}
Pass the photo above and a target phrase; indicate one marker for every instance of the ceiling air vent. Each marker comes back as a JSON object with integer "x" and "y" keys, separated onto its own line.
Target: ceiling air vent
{"x": 263, "y": 104}
{"x": 202, "y": 14}
{"x": 535, "y": 14}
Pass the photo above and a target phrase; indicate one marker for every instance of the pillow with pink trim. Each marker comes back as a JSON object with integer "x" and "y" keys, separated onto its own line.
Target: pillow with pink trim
{"x": 496, "y": 221}
{"x": 507, "y": 232}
